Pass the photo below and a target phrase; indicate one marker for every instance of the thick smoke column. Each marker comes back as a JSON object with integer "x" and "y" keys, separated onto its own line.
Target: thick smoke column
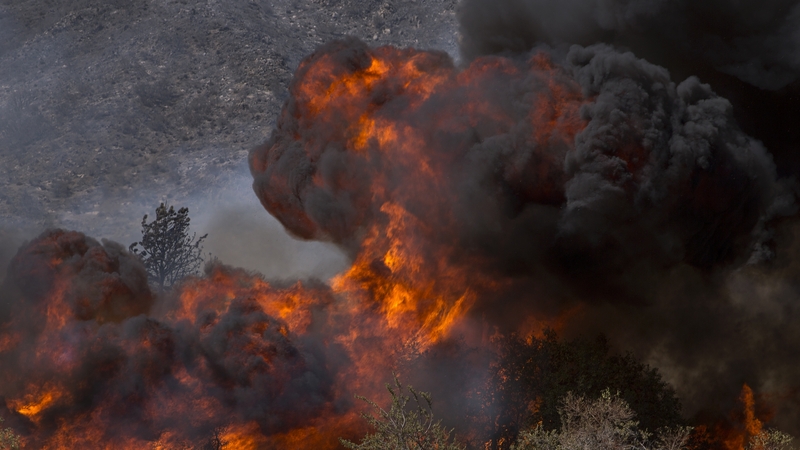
{"x": 523, "y": 185}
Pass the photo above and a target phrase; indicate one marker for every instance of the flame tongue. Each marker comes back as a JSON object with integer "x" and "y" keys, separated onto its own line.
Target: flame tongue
{"x": 736, "y": 431}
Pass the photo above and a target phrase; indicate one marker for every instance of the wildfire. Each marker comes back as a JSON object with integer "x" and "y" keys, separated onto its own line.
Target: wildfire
{"x": 419, "y": 170}
{"x": 243, "y": 437}
{"x": 412, "y": 303}
{"x": 216, "y": 291}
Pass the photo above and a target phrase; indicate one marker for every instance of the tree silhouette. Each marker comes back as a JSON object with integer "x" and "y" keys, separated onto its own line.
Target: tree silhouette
{"x": 168, "y": 251}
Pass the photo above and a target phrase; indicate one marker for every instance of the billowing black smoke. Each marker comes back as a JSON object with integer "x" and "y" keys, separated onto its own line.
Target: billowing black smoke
{"x": 85, "y": 265}
{"x": 576, "y": 175}
{"x": 631, "y": 171}
{"x": 757, "y": 42}
{"x": 710, "y": 331}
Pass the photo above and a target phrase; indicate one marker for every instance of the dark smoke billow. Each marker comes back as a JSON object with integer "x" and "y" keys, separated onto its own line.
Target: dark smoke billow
{"x": 542, "y": 184}
{"x": 747, "y": 51}
{"x": 580, "y": 176}
{"x": 712, "y": 333}
{"x": 603, "y": 164}
{"x": 76, "y": 266}
{"x": 757, "y": 42}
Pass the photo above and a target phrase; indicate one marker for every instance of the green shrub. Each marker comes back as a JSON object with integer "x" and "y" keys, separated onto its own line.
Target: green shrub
{"x": 405, "y": 425}
{"x": 605, "y": 423}
{"x": 8, "y": 439}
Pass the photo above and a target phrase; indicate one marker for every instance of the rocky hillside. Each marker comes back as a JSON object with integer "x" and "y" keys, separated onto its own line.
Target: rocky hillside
{"x": 108, "y": 106}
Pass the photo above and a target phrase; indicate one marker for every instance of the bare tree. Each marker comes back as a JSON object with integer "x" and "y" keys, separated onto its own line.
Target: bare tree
{"x": 676, "y": 438}
{"x": 168, "y": 251}
{"x": 215, "y": 441}
{"x": 606, "y": 423}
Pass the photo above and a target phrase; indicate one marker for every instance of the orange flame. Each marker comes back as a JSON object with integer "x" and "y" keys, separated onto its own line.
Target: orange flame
{"x": 735, "y": 432}
{"x": 32, "y": 404}
{"x": 749, "y": 426}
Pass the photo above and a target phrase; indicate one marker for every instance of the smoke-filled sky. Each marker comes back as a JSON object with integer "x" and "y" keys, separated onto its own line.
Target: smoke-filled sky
{"x": 630, "y": 166}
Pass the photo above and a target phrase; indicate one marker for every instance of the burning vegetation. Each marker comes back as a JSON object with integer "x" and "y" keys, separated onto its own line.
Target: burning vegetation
{"x": 483, "y": 207}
